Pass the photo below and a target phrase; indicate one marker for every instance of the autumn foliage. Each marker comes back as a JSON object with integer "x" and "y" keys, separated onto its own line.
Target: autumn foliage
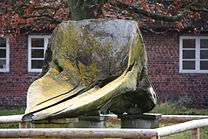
{"x": 31, "y": 15}
{"x": 43, "y": 15}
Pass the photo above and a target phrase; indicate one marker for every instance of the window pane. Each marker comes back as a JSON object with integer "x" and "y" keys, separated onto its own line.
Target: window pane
{"x": 189, "y": 65}
{"x": 204, "y": 54}
{"x": 2, "y": 64}
{"x": 204, "y": 43}
{"x": 2, "y": 42}
{"x": 37, "y": 53}
{"x": 37, "y": 42}
{"x": 204, "y": 65}
{"x": 188, "y": 43}
{"x": 37, "y": 64}
{"x": 2, "y": 53}
{"x": 188, "y": 54}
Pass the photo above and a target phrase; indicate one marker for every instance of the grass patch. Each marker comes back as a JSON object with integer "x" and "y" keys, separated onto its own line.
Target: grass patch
{"x": 174, "y": 109}
{"x": 11, "y": 111}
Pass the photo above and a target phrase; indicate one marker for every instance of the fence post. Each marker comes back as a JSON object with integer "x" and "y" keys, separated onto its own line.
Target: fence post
{"x": 24, "y": 125}
{"x": 156, "y": 137}
{"x": 195, "y": 133}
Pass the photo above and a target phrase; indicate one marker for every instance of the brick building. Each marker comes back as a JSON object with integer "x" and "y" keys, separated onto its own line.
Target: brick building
{"x": 178, "y": 66}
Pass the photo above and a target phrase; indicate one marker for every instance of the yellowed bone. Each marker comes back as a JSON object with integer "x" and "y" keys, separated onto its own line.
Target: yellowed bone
{"x": 69, "y": 88}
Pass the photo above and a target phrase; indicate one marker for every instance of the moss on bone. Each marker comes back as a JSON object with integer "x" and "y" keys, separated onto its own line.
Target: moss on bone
{"x": 78, "y": 51}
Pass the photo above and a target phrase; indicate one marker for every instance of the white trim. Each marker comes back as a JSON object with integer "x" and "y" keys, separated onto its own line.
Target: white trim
{"x": 7, "y": 58}
{"x": 45, "y": 37}
{"x": 197, "y": 54}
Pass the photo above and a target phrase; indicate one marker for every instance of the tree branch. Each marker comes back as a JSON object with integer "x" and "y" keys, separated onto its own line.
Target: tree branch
{"x": 157, "y": 16}
{"x": 55, "y": 20}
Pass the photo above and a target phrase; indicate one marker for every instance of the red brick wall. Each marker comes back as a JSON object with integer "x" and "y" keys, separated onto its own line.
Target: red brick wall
{"x": 163, "y": 56}
{"x": 13, "y": 85}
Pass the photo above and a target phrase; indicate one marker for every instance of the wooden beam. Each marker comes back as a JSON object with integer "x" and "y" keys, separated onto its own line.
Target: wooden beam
{"x": 106, "y": 132}
{"x": 180, "y": 118}
{"x": 11, "y": 119}
{"x": 77, "y": 133}
{"x": 173, "y": 129}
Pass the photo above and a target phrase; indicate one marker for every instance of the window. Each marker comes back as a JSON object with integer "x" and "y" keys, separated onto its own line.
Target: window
{"x": 194, "y": 54}
{"x": 37, "y": 45}
{"x": 4, "y": 55}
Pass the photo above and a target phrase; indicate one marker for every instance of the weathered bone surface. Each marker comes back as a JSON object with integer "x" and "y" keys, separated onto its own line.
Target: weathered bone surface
{"x": 97, "y": 65}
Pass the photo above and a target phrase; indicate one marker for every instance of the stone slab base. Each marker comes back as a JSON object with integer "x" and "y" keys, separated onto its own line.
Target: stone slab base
{"x": 145, "y": 121}
{"x": 79, "y": 122}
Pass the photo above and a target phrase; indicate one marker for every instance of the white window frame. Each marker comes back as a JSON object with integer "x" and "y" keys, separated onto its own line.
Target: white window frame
{"x": 46, "y": 39}
{"x": 197, "y": 54}
{"x": 7, "y": 56}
